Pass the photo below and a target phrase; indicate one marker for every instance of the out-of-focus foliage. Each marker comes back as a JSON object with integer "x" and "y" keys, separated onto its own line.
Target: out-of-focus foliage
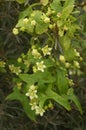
{"x": 11, "y": 47}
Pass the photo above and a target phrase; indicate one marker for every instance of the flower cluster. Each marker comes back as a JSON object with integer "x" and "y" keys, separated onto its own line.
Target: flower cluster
{"x": 45, "y": 18}
{"x": 14, "y": 69}
{"x": 75, "y": 63}
{"x": 32, "y": 94}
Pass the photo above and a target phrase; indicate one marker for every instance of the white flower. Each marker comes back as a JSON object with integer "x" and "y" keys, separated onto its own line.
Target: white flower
{"x": 40, "y": 111}
{"x": 32, "y": 92}
{"x": 33, "y": 106}
{"x": 33, "y": 87}
{"x": 14, "y": 69}
{"x": 40, "y": 66}
{"x": 46, "y": 50}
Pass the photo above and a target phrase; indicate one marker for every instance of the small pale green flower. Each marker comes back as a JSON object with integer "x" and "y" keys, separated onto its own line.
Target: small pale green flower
{"x": 32, "y": 92}
{"x": 33, "y": 23}
{"x": 76, "y": 64}
{"x": 32, "y": 14}
{"x": 47, "y": 20}
{"x": 77, "y": 53}
{"x": 61, "y": 32}
{"x": 50, "y": 105}
{"x": 15, "y": 31}
{"x": 27, "y": 63}
{"x": 67, "y": 65}
{"x": 34, "y": 69}
{"x": 59, "y": 15}
{"x": 65, "y": 28}
{"x": 49, "y": 12}
{"x": 70, "y": 81}
{"x": 36, "y": 54}
{"x": 51, "y": 26}
{"x": 40, "y": 111}
{"x": 19, "y": 85}
{"x": 14, "y": 69}
{"x": 25, "y": 20}
{"x": 46, "y": 50}
{"x": 34, "y": 106}
{"x": 41, "y": 66}
{"x": 81, "y": 59}
{"x": 19, "y": 60}
{"x": 2, "y": 64}
{"x": 33, "y": 87}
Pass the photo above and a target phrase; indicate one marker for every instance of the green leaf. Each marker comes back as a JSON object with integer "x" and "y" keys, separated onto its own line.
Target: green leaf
{"x": 16, "y": 95}
{"x": 49, "y": 95}
{"x": 62, "y": 82}
{"x": 56, "y": 6}
{"x": 68, "y": 3}
{"x": 42, "y": 99}
{"x": 67, "y": 11}
{"x": 84, "y": 21}
{"x": 49, "y": 63}
{"x": 59, "y": 99}
{"x": 41, "y": 27}
{"x": 25, "y": 13}
{"x": 65, "y": 42}
{"x": 69, "y": 55}
{"x": 20, "y": 23}
{"x": 74, "y": 98}
{"x": 43, "y": 77}
{"x": 67, "y": 8}
{"x": 44, "y": 2}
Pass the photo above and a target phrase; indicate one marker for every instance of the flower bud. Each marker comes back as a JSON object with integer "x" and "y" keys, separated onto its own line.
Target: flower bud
{"x": 15, "y": 31}
{"x": 62, "y": 58}
{"x": 76, "y": 64}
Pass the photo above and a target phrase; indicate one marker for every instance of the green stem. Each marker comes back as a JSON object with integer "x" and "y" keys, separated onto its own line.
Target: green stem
{"x": 35, "y": 4}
